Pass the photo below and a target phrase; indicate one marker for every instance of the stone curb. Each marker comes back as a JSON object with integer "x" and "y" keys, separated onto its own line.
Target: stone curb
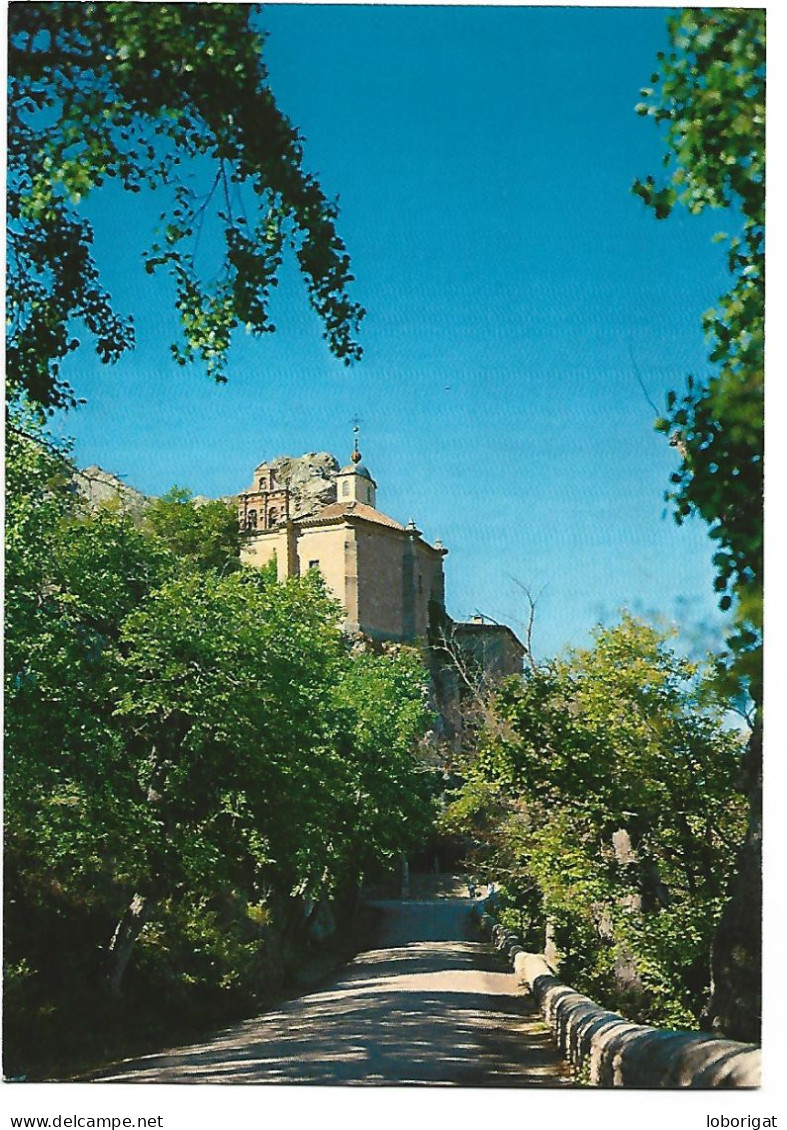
{"x": 616, "y": 1052}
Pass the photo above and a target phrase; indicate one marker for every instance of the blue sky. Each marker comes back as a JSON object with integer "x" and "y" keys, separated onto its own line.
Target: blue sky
{"x": 483, "y": 160}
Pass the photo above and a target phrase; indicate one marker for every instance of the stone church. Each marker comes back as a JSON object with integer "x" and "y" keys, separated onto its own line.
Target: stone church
{"x": 309, "y": 513}
{"x": 388, "y": 578}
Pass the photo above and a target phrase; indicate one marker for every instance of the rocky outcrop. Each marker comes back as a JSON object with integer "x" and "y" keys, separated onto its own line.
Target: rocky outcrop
{"x": 98, "y": 486}
{"x": 311, "y": 479}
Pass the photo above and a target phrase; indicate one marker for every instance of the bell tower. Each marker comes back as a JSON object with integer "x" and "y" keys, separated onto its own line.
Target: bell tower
{"x": 354, "y": 482}
{"x": 266, "y": 505}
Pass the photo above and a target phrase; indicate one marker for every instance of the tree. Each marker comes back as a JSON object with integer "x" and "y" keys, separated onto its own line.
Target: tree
{"x": 385, "y": 700}
{"x": 224, "y": 690}
{"x": 73, "y": 822}
{"x": 711, "y": 92}
{"x": 601, "y": 796}
{"x": 192, "y": 750}
{"x": 150, "y": 97}
{"x": 204, "y": 531}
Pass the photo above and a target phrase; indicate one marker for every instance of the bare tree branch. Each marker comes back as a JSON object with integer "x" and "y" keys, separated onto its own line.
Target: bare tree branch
{"x": 532, "y": 601}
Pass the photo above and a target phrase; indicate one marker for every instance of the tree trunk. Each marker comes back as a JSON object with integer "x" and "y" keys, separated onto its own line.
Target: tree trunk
{"x": 405, "y": 871}
{"x": 357, "y": 900}
{"x": 735, "y": 1003}
{"x": 126, "y": 933}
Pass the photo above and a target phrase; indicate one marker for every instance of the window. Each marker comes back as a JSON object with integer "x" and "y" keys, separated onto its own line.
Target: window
{"x": 263, "y": 484}
{"x": 345, "y": 488}
{"x": 368, "y": 494}
{"x": 273, "y": 516}
{"x": 251, "y": 520}
{"x": 314, "y": 564}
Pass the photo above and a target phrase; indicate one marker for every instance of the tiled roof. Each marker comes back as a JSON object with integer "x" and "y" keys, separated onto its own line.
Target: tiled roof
{"x": 350, "y": 509}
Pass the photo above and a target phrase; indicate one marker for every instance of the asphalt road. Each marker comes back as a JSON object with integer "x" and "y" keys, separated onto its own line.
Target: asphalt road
{"x": 428, "y": 1005}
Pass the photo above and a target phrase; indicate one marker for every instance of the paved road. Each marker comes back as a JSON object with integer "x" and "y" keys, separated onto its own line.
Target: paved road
{"x": 429, "y": 1005}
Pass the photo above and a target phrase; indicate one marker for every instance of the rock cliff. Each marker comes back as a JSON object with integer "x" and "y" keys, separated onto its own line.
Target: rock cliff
{"x": 98, "y": 485}
{"x": 311, "y": 479}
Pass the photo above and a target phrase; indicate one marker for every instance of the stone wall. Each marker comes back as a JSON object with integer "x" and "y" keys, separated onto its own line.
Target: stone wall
{"x": 609, "y": 1050}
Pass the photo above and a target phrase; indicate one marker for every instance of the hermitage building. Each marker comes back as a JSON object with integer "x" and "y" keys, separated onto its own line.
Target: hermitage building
{"x": 387, "y": 577}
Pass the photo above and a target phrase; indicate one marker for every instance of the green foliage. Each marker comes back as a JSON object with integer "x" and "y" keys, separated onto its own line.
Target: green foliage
{"x": 225, "y": 685}
{"x": 601, "y": 797}
{"x": 202, "y": 531}
{"x": 269, "y": 572}
{"x": 71, "y": 799}
{"x": 210, "y": 949}
{"x": 710, "y": 90}
{"x": 184, "y": 736}
{"x": 155, "y": 97}
{"x": 37, "y": 498}
{"x": 386, "y": 700}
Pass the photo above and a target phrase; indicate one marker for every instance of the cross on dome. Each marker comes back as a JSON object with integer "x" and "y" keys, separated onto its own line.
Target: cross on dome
{"x": 356, "y": 455}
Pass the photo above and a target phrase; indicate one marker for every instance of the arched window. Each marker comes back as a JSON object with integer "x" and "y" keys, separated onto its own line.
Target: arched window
{"x": 273, "y": 516}
{"x": 251, "y": 520}
{"x": 263, "y": 483}
{"x": 345, "y": 488}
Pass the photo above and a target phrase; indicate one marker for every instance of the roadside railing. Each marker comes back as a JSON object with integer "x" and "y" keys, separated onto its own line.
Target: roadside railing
{"x": 610, "y": 1051}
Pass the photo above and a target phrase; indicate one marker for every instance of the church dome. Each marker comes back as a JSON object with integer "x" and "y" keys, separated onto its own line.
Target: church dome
{"x": 357, "y": 469}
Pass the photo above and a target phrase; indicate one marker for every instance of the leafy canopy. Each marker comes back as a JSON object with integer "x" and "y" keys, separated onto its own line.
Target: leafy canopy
{"x": 203, "y": 531}
{"x": 710, "y": 91}
{"x": 384, "y": 700}
{"x": 166, "y": 97}
{"x": 184, "y": 734}
{"x": 601, "y": 796}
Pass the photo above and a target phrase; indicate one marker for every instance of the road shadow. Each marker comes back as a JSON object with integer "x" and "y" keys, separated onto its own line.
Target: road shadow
{"x": 426, "y": 1007}
{"x": 371, "y": 1035}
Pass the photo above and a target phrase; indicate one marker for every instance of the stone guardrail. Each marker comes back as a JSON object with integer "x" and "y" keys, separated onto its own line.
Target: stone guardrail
{"x": 616, "y": 1052}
